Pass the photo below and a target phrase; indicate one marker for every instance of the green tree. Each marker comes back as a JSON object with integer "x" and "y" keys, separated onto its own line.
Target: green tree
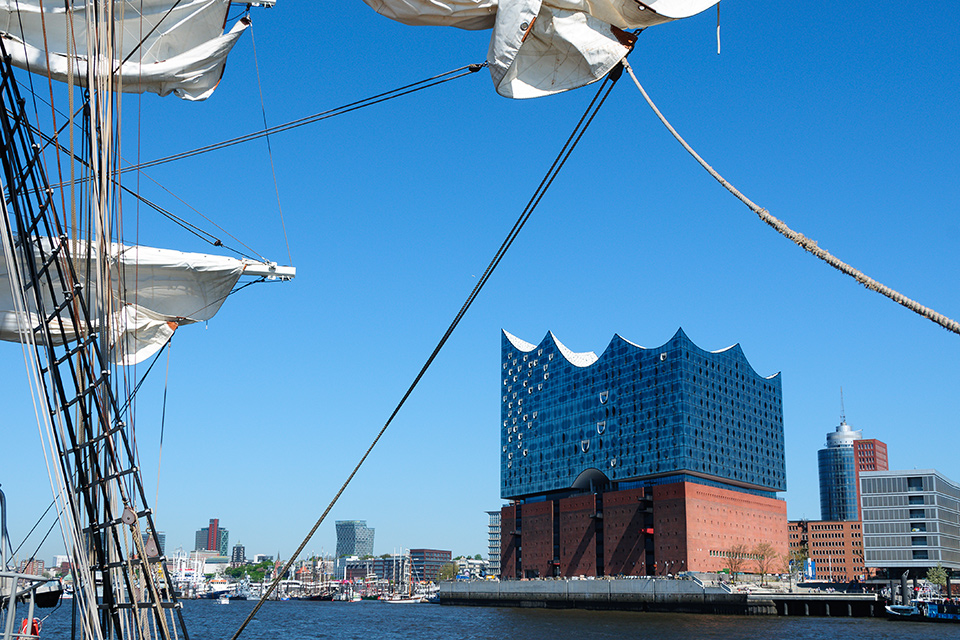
{"x": 478, "y": 557}
{"x": 449, "y": 571}
{"x": 937, "y": 575}
{"x": 236, "y": 572}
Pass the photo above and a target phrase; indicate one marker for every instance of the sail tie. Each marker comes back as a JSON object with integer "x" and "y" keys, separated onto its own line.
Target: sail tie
{"x": 805, "y": 243}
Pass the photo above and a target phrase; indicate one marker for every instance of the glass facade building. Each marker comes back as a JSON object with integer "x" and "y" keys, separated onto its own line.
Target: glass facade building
{"x": 838, "y": 475}
{"x": 354, "y": 538}
{"x": 634, "y": 414}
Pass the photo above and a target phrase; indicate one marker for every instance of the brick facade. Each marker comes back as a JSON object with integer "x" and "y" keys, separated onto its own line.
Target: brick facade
{"x": 696, "y": 525}
{"x": 836, "y": 548}
{"x": 578, "y": 536}
{"x": 667, "y": 529}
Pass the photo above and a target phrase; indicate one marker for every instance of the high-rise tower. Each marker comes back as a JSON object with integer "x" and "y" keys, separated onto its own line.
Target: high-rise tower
{"x": 354, "y": 538}
{"x": 845, "y": 456}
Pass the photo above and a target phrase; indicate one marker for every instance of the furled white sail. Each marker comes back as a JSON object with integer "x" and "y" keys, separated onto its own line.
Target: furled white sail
{"x": 541, "y": 47}
{"x": 161, "y": 46}
{"x": 152, "y": 292}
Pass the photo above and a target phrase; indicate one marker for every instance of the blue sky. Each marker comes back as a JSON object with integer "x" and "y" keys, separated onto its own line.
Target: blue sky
{"x": 842, "y": 123}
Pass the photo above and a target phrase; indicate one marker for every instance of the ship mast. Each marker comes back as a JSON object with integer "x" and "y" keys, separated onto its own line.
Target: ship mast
{"x": 124, "y": 590}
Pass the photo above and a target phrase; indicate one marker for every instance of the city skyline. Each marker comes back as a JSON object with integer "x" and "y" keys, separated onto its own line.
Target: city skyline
{"x": 393, "y": 212}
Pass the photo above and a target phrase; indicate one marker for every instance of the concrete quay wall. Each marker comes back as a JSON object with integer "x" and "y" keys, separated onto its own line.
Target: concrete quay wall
{"x": 665, "y": 595}
{"x": 683, "y": 596}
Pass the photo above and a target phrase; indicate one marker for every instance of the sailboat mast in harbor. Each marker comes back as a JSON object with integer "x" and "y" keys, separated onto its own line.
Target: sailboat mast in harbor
{"x": 85, "y": 305}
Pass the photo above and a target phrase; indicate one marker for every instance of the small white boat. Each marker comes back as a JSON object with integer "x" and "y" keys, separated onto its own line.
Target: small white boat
{"x": 224, "y": 599}
{"x": 408, "y": 600}
{"x": 901, "y": 611}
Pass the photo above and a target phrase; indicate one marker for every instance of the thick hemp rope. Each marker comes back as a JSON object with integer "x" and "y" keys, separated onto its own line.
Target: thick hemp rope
{"x": 803, "y": 241}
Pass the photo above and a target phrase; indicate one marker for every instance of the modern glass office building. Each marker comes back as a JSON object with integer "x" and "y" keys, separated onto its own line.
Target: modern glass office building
{"x": 354, "y": 538}
{"x": 660, "y": 414}
{"x": 638, "y": 461}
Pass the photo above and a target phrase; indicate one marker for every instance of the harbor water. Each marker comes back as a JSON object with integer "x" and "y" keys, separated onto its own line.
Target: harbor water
{"x": 207, "y": 620}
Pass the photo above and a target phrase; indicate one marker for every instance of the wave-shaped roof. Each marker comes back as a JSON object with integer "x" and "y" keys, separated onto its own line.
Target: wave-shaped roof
{"x": 587, "y": 358}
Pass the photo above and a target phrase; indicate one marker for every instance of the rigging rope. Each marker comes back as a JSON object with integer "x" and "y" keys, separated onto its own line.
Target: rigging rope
{"x": 798, "y": 238}
{"x": 202, "y": 234}
{"x": 317, "y": 117}
{"x": 32, "y": 529}
{"x": 608, "y": 82}
{"x": 163, "y": 422}
{"x": 273, "y": 170}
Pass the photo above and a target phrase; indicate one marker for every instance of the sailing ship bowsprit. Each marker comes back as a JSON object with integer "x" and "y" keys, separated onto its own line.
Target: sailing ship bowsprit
{"x": 84, "y": 305}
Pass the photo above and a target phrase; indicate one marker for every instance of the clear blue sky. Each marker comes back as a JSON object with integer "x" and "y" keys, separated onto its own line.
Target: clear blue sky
{"x": 843, "y": 123}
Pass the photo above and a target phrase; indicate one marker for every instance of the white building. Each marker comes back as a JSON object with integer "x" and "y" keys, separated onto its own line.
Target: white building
{"x": 493, "y": 543}
{"x": 471, "y": 568}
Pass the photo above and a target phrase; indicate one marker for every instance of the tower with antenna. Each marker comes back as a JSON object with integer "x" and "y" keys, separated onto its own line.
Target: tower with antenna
{"x": 840, "y": 463}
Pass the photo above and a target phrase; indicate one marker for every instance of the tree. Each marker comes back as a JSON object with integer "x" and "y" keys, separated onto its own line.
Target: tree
{"x": 764, "y": 558}
{"x": 478, "y": 557}
{"x": 736, "y": 556}
{"x": 449, "y": 571}
{"x": 937, "y": 575}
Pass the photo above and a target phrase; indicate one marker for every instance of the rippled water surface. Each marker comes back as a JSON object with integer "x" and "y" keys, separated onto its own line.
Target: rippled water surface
{"x": 207, "y": 620}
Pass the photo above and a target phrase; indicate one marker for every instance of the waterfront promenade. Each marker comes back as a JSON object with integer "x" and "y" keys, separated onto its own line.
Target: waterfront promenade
{"x": 690, "y": 595}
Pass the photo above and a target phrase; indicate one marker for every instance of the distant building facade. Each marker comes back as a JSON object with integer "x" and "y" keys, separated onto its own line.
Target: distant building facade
{"x": 869, "y": 454}
{"x": 213, "y": 538}
{"x": 354, "y": 538}
{"x": 426, "y": 563}
{"x": 393, "y": 568}
{"x": 836, "y": 548}
{"x": 493, "y": 543}
{"x": 911, "y": 520}
{"x": 32, "y": 567}
{"x": 239, "y": 554}
{"x": 638, "y": 462}
{"x": 472, "y": 569}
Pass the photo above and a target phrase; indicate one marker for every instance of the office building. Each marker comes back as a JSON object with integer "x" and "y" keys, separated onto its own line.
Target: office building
{"x": 869, "y": 455}
{"x": 428, "y": 562}
{"x": 835, "y": 548}
{"x": 637, "y": 462}
{"x": 239, "y": 555}
{"x": 493, "y": 543}
{"x": 213, "y": 538}
{"x": 354, "y": 538}
{"x": 911, "y": 521}
{"x": 393, "y": 568}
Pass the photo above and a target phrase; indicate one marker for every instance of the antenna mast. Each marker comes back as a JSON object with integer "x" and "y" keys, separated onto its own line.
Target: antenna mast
{"x": 843, "y": 413}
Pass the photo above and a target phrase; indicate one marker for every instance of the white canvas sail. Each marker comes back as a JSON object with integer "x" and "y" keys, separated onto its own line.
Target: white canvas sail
{"x": 541, "y": 47}
{"x": 153, "y": 291}
{"x": 162, "y": 46}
